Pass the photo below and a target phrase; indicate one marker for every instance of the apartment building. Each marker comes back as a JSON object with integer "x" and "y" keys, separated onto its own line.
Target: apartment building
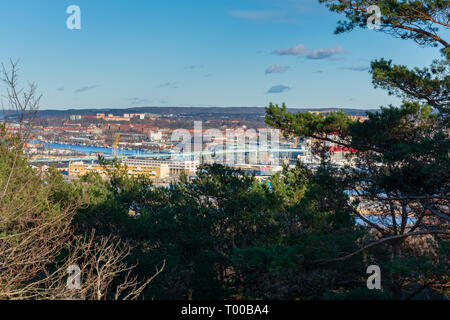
{"x": 77, "y": 169}
{"x": 189, "y": 167}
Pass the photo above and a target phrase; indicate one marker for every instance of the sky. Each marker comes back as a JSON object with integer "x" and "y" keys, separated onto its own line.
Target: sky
{"x": 220, "y": 53}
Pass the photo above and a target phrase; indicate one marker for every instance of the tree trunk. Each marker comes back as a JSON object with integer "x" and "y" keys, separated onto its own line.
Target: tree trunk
{"x": 396, "y": 287}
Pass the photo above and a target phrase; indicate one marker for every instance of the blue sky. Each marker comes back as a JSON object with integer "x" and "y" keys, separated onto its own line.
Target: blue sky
{"x": 196, "y": 53}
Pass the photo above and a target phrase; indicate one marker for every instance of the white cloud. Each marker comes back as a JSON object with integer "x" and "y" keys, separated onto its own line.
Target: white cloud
{"x": 85, "y": 88}
{"x": 276, "y": 68}
{"x": 325, "y": 53}
{"x": 168, "y": 85}
{"x": 355, "y": 68}
{"x": 259, "y": 15}
{"x": 278, "y": 89}
{"x": 297, "y": 50}
{"x": 302, "y": 50}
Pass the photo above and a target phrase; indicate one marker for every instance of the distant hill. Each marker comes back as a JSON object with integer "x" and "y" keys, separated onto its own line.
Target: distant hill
{"x": 188, "y": 112}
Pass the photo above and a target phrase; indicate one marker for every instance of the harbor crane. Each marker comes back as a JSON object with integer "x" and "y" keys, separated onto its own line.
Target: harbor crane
{"x": 116, "y": 144}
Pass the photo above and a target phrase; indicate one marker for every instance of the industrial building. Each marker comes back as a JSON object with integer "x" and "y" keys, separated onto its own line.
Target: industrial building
{"x": 188, "y": 167}
{"x": 155, "y": 169}
{"x": 78, "y": 169}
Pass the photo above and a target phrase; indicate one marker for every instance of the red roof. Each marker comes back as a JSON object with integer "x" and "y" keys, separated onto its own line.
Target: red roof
{"x": 340, "y": 149}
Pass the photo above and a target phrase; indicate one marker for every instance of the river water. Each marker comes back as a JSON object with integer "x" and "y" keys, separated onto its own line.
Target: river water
{"x": 90, "y": 149}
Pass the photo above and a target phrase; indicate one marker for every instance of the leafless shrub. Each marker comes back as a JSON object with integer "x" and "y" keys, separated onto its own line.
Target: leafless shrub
{"x": 37, "y": 240}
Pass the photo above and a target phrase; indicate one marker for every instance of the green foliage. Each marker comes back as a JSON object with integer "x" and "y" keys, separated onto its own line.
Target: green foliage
{"x": 431, "y": 85}
{"x": 21, "y": 185}
{"x": 401, "y": 154}
{"x": 420, "y": 21}
{"x": 225, "y": 230}
{"x": 358, "y": 294}
{"x": 306, "y": 124}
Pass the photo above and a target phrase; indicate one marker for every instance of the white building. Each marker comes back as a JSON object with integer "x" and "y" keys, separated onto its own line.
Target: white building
{"x": 175, "y": 167}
